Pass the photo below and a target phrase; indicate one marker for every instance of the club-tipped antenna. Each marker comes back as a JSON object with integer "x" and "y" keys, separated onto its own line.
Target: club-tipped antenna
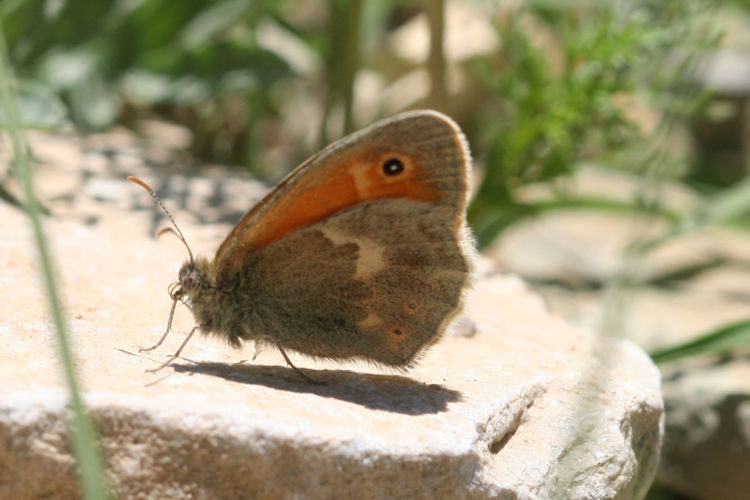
{"x": 176, "y": 231}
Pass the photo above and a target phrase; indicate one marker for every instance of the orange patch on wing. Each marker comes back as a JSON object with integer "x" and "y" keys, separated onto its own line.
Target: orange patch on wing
{"x": 339, "y": 189}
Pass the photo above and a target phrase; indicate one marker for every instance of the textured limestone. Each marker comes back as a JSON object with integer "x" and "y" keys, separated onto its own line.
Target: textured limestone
{"x": 525, "y": 407}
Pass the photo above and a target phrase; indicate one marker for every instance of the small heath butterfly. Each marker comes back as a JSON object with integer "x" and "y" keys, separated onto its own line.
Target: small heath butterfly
{"x": 362, "y": 252}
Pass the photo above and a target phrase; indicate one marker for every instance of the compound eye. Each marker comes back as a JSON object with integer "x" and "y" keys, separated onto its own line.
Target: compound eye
{"x": 189, "y": 279}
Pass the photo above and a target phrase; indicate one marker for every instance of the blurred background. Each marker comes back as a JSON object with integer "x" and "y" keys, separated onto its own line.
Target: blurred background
{"x": 611, "y": 145}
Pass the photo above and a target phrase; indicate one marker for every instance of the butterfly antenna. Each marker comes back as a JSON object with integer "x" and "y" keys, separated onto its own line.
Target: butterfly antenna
{"x": 176, "y": 230}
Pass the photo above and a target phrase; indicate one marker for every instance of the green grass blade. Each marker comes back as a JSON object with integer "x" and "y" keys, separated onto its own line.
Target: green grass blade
{"x": 604, "y": 205}
{"x": 84, "y": 443}
{"x": 724, "y": 340}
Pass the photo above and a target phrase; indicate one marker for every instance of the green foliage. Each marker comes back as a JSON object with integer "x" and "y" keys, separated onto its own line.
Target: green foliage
{"x": 102, "y": 55}
{"x": 557, "y": 102}
{"x": 200, "y": 61}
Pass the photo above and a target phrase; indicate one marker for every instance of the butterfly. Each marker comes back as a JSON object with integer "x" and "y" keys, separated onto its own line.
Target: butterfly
{"x": 362, "y": 252}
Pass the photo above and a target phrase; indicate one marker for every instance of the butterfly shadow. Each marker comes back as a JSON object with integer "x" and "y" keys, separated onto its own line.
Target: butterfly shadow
{"x": 394, "y": 393}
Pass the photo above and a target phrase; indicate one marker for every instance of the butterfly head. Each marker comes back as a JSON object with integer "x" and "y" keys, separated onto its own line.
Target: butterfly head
{"x": 194, "y": 280}
{"x": 189, "y": 277}
{"x": 193, "y": 275}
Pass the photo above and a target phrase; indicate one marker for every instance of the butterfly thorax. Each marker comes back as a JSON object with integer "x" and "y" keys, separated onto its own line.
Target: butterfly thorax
{"x": 211, "y": 304}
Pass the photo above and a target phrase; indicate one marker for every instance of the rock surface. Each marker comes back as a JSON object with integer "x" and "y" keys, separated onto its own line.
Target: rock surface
{"x": 526, "y": 407}
{"x": 689, "y": 286}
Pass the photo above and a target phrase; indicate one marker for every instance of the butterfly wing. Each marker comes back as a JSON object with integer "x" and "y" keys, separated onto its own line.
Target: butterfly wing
{"x": 362, "y": 251}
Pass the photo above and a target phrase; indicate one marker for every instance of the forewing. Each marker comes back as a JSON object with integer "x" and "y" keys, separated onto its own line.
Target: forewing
{"x": 350, "y": 172}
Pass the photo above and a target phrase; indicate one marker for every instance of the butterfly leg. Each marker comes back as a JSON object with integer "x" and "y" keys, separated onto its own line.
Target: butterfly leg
{"x": 289, "y": 362}
{"x": 166, "y": 332}
{"x": 176, "y": 354}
